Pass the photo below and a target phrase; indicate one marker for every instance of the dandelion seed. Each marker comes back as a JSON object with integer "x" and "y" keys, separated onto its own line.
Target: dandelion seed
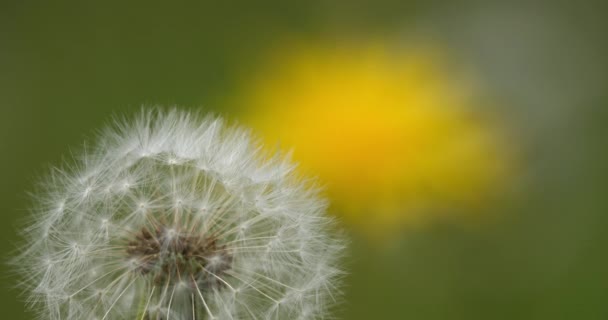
{"x": 177, "y": 217}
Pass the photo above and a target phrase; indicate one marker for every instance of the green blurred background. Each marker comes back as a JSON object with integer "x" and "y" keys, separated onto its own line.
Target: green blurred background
{"x": 66, "y": 67}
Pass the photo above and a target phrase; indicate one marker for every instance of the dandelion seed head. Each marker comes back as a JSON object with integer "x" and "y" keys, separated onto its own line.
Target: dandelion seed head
{"x": 175, "y": 216}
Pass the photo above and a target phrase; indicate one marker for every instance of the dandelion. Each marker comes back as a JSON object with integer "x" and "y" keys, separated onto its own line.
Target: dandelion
{"x": 396, "y": 134}
{"x": 173, "y": 216}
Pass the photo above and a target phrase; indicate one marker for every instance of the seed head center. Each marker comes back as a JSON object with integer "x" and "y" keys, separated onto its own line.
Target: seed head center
{"x": 171, "y": 255}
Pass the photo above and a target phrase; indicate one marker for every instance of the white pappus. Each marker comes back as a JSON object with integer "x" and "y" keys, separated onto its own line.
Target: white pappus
{"x": 176, "y": 216}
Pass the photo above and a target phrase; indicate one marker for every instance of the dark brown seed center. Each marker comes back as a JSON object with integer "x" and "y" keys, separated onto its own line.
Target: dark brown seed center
{"x": 172, "y": 255}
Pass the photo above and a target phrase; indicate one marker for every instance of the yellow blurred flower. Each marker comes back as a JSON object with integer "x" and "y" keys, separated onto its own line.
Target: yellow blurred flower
{"x": 392, "y": 133}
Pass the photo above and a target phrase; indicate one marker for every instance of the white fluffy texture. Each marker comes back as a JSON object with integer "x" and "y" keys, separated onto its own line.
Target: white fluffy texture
{"x": 199, "y": 178}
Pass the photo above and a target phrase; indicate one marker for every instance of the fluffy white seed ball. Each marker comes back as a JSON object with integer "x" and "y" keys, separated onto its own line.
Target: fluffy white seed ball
{"x": 173, "y": 216}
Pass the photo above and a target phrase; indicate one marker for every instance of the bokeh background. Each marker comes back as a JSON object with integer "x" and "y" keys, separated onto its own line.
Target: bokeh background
{"x": 463, "y": 144}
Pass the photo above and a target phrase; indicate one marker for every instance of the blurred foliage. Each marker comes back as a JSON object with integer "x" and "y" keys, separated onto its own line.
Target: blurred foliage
{"x": 67, "y": 66}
